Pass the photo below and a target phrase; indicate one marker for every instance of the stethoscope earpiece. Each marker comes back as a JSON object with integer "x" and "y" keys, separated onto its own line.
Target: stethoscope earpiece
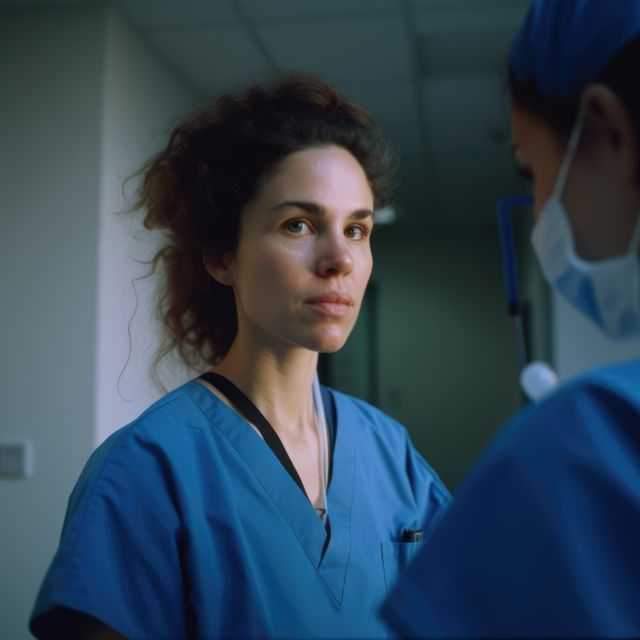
{"x": 537, "y": 379}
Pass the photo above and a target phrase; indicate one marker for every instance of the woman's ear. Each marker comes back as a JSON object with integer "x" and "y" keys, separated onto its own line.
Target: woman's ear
{"x": 218, "y": 267}
{"x": 609, "y": 123}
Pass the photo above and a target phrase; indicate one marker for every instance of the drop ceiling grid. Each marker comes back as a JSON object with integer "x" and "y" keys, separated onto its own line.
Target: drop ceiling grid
{"x": 469, "y": 129}
{"x": 212, "y": 59}
{"x": 285, "y": 10}
{"x": 149, "y": 15}
{"x": 379, "y": 52}
{"x": 366, "y": 48}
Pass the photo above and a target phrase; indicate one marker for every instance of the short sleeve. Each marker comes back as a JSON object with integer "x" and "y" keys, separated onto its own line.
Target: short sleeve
{"x": 431, "y": 496}
{"x": 119, "y": 555}
{"x": 403, "y": 476}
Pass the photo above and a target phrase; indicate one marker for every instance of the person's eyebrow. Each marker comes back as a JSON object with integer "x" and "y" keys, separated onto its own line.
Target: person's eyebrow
{"x": 316, "y": 209}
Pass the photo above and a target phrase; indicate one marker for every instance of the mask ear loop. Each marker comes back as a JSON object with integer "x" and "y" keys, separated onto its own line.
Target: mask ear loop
{"x": 324, "y": 447}
{"x": 634, "y": 243}
{"x": 569, "y": 154}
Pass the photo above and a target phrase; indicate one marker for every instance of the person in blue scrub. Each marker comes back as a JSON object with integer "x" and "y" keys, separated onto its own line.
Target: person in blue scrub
{"x": 251, "y": 502}
{"x": 543, "y": 538}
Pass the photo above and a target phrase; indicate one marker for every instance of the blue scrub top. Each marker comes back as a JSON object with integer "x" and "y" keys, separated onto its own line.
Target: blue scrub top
{"x": 543, "y": 539}
{"x": 185, "y": 524}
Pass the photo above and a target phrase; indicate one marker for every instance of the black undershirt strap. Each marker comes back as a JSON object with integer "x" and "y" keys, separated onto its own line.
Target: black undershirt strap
{"x": 253, "y": 415}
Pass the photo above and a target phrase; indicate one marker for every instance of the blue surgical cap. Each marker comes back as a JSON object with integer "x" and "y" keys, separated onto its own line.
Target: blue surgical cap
{"x": 564, "y": 44}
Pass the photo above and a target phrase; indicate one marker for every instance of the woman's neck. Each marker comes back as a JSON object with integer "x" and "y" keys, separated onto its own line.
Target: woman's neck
{"x": 278, "y": 381}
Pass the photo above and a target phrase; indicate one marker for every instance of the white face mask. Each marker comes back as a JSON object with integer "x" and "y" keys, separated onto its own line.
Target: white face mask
{"x": 607, "y": 291}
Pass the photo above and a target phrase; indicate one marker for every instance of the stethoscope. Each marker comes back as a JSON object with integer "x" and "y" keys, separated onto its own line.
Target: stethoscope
{"x": 245, "y": 406}
{"x": 321, "y": 420}
{"x": 537, "y": 378}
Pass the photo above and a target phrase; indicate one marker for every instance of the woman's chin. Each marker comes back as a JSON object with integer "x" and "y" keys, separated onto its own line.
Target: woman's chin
{"x": 327, "y": 344}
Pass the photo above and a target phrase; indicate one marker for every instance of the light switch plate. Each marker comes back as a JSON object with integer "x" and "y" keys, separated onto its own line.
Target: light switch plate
{"x": 16, "y": 459}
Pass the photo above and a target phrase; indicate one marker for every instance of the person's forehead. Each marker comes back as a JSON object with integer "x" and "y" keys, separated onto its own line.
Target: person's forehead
{"x": 324, "y": 173}
{"x": 317, "y": 158}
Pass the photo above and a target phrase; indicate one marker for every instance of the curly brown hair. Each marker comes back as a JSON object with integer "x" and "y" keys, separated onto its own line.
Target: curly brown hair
{"x": 195, "y": 189}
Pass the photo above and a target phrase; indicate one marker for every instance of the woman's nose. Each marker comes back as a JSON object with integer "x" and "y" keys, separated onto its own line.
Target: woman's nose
{"x": 334, "y": 254}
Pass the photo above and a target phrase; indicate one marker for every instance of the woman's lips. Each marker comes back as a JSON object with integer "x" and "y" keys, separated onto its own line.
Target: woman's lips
{"x": 334, "y": 303}
{"x": 331, "y": 308}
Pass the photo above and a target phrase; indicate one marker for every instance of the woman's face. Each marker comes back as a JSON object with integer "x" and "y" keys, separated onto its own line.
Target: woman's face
{"x": 304, "y": 256}
{"x": 600, "y": 194}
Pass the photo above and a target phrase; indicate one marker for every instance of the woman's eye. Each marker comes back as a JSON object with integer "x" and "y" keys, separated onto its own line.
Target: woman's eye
{"x": 298, "y": 227}
{"x": 357, "y": 232}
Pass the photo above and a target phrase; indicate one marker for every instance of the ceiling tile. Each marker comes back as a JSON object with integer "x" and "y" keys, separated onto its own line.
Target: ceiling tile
{"x": 19, "y": 3}
{"x": 464, "y": 52}
{"x": 367, "y": 49}
{"x": 406, "y": 140}
{"x": 387, "y": 100}
{"x": 310, "y": 9}
{"x": 466, "y": 41}
{"x": 432, "y": 6}
{"x": 476, "y": 19}
{"x": 468, "y": 132}
{"x": 364, "y": 47}
{"x": 154, "y": 14}
{"x": 211, "y": 59}
{"x": 465, "y": 110}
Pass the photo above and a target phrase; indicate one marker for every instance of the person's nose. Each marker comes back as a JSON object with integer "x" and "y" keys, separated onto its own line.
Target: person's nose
{"x": 334, "y": 254}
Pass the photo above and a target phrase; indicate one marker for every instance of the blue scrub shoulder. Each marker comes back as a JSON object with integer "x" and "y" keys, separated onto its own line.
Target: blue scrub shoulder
{"x": 379, "y": 431}
{"x": 604, "y": 401}
{"x": 591, "y": 419}
{"x": 542, "y": 537}
{"x": 159, "y": 428}
{"x": 128, "y": 496}
{"x": 187, "y": 489}
{"x": 163, "y": 436}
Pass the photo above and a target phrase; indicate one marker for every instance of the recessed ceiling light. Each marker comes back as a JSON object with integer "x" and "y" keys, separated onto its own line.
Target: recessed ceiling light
{"x": 386, "y": 215}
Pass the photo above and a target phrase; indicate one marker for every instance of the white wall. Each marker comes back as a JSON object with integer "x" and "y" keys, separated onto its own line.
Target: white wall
{"x": 141, "y": 100}
{"x": 447, "y": 352}
{"x": 65, "y": 86}
{"x": 49, "y": 168}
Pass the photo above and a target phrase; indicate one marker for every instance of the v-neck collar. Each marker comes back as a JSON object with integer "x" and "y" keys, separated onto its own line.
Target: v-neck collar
{"x": 328, "y": 553}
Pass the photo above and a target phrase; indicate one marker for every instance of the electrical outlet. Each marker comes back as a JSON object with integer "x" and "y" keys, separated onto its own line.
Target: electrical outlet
{"x": 16, "y": 459}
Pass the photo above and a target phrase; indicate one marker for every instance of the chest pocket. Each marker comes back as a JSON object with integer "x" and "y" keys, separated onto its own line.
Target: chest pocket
{"x": 396, "y": 557}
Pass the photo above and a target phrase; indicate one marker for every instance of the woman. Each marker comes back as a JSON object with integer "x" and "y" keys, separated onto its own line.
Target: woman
{"x": 232, "y": 507}
{"x": 542, "y": 539}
